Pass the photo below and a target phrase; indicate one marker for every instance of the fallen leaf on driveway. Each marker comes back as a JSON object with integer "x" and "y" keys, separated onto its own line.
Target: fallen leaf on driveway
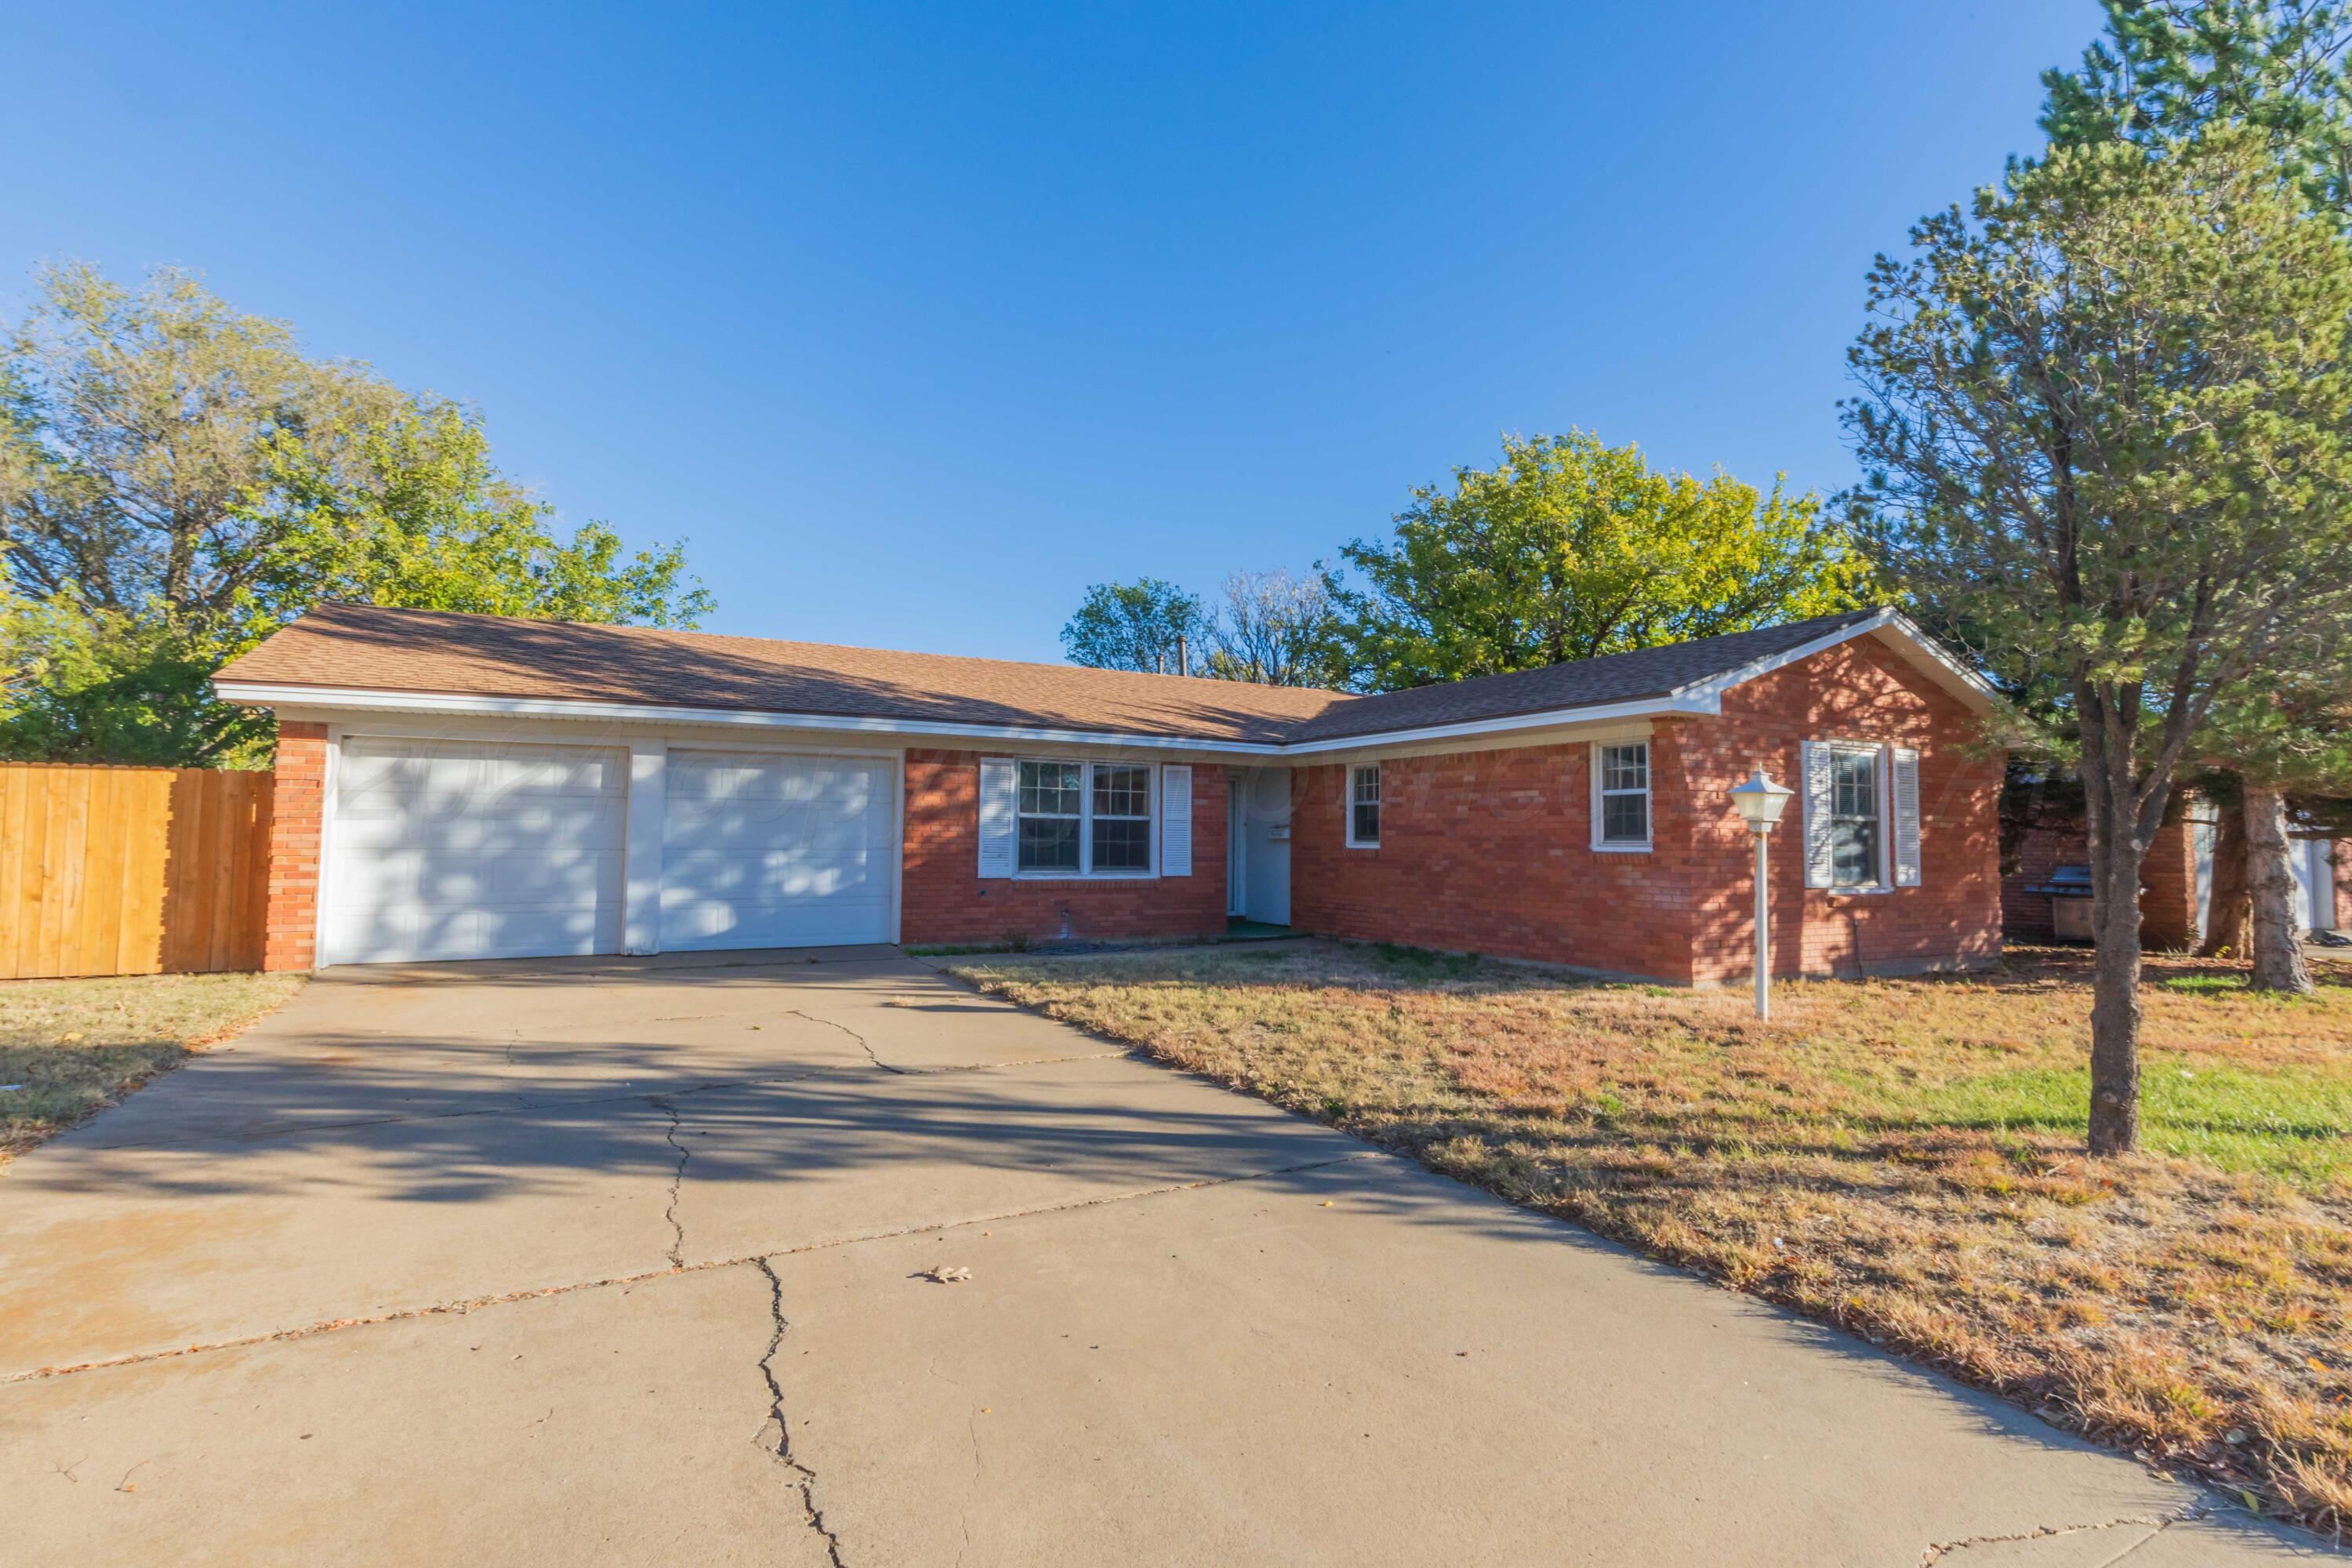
{"x": 943, "y": 1274}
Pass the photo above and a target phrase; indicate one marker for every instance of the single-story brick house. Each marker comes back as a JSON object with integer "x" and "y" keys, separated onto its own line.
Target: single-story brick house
{"x": 469, "y": 786}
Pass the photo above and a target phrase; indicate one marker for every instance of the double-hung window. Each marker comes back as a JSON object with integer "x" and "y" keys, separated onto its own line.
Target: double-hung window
{"x": 1853, "y": 817}
{"x": 1620, "y": 795}
{"x": 1364, "y": 806}
{"x": 1081, "y": 819}
{"x": 1053, "y": 816}
{"x": 1121, "y": 831}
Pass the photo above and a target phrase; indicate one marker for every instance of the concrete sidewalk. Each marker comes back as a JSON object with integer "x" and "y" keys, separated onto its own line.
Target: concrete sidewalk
{"x": 627, "y": 1262}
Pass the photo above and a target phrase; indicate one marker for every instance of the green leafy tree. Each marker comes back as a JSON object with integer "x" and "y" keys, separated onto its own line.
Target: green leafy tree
{"x": 2275, "y": 69}
{"x": 1143, "y": 624}
{"x": 177, "y": 480}
{"x": 1569, "y": 549}
{"x": 2105, "y": 423}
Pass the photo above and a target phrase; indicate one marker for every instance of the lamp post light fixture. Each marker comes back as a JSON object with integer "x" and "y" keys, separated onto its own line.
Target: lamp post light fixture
{"x": 1760, "y": 803}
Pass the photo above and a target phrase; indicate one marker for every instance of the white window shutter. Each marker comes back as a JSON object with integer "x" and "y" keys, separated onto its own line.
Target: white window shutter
{"x": 1176, "y": 821}
{"x": 1000, "y": 785}
{"x": 1907, "y": 816}
{"x": 1820, "y": 861}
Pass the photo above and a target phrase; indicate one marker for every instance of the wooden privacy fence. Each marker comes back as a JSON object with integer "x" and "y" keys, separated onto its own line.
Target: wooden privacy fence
{"x": 130, "y": 870}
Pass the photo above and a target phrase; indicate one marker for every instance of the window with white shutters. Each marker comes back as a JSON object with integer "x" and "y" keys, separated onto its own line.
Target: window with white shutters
{"x": 1064, "y": 817}
{"x": 1862, "y": 816}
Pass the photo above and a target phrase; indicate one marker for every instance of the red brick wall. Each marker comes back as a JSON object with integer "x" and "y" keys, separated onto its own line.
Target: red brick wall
{"x": 945, "y": 899}
{"x": 289, "y": 934}
{"x": 2167, "y": 902}
{"x": 1490, "y": 851}
{"x": 1860, "y": 691}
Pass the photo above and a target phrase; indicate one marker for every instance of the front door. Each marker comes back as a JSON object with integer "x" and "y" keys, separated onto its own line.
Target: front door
{"x": 1265, "y": 804}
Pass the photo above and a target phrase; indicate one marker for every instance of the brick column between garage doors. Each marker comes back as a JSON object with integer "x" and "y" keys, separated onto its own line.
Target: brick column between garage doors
{"x": 289, "y": 935}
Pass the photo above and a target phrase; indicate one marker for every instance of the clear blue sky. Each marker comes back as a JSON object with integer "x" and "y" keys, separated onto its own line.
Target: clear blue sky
{"x": 916, "y": 319}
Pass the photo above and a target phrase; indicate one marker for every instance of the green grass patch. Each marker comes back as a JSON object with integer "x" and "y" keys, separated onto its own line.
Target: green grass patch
{"x": 2290, "y": 1122}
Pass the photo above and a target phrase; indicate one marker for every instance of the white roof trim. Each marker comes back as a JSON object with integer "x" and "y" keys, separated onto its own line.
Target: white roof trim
{"x": 1704, "y": 698}
{"x": 1961, "y": 682}
{"x": 1640, "y": 708}
{"x": 368, "y": 700}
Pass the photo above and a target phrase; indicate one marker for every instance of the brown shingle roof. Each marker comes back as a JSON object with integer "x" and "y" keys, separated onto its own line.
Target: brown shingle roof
{"x": 365, "y": 648}
{"x": 1581, "y": 683}
{"x": 360, "y": 646}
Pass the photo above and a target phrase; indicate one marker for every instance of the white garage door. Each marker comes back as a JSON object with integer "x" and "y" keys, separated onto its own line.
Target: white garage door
{"x": 455, "y": 849}
{"x": 769, "y": 851}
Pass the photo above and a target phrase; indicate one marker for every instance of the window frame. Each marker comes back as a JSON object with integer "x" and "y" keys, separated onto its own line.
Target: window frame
{"x": 1147, "y": 813}
{"x": 1601, "y": 842}
{"x": 1881, "y": 818}
{"x": 1379, "y": 803}
{"x": 1085, "y": 869}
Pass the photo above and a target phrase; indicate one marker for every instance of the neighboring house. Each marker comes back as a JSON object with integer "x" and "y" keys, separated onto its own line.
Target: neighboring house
{"x": 464, "y": 786}
{"x": 2175, "y": 881}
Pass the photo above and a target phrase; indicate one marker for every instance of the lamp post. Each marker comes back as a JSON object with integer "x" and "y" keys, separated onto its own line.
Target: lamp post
{"x": 1760, "y": 803}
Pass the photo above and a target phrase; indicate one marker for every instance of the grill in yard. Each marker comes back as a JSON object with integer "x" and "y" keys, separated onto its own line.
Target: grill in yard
{"x": 2069, "y": 892}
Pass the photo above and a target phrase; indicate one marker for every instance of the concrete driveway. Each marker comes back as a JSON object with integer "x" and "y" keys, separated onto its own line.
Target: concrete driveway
{"x": 624, "y": 1262}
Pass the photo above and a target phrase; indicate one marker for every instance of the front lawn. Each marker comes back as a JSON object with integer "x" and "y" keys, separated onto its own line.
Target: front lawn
{"x": 1899, "y": 1157}
{"x": 69, "y": 1047}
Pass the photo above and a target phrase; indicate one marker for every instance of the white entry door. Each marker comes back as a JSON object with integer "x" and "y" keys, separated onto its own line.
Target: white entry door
{"x": 761, "y": 850}
{"x": 464, "y": 849}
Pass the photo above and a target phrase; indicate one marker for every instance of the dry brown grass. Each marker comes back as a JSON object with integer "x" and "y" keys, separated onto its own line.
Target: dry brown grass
{"x": 69, "y": 1048}
{"x": 1902, "y": 1158}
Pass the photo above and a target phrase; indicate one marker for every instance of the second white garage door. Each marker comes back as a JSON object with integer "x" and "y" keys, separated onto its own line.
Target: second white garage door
{"x": 760, "y": 850}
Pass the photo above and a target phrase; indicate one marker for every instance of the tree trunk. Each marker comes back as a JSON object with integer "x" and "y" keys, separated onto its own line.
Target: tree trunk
{"x": 2116, "y": 850}
{"x": 2229, "y": 917}
{"x": 2114, "y": 992}
{"x": 2278, "y": 956}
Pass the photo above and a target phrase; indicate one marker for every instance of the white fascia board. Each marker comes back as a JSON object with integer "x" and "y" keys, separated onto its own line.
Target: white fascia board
{"x": 339, "y": 699}
{"x": 1963, "y": 682}
{"x": 1642, "y": 708}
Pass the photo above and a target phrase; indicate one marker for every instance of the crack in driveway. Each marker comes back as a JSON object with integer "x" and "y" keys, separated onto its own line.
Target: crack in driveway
{"x": 861, "y": 1042}
{"x": 778, "y": 1327}
{"x": 677, "y": 1178}
{"x": 1939, "y": 1551}
{"x": 474, "y": 1303}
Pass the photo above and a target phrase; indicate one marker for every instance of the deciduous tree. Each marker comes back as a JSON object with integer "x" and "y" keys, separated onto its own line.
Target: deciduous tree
{"x": 1274, "y": 629}
{"x": 1569, "y": 549}
{"x": 178, "y": 479}
{"x": 1137, "y": 625}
